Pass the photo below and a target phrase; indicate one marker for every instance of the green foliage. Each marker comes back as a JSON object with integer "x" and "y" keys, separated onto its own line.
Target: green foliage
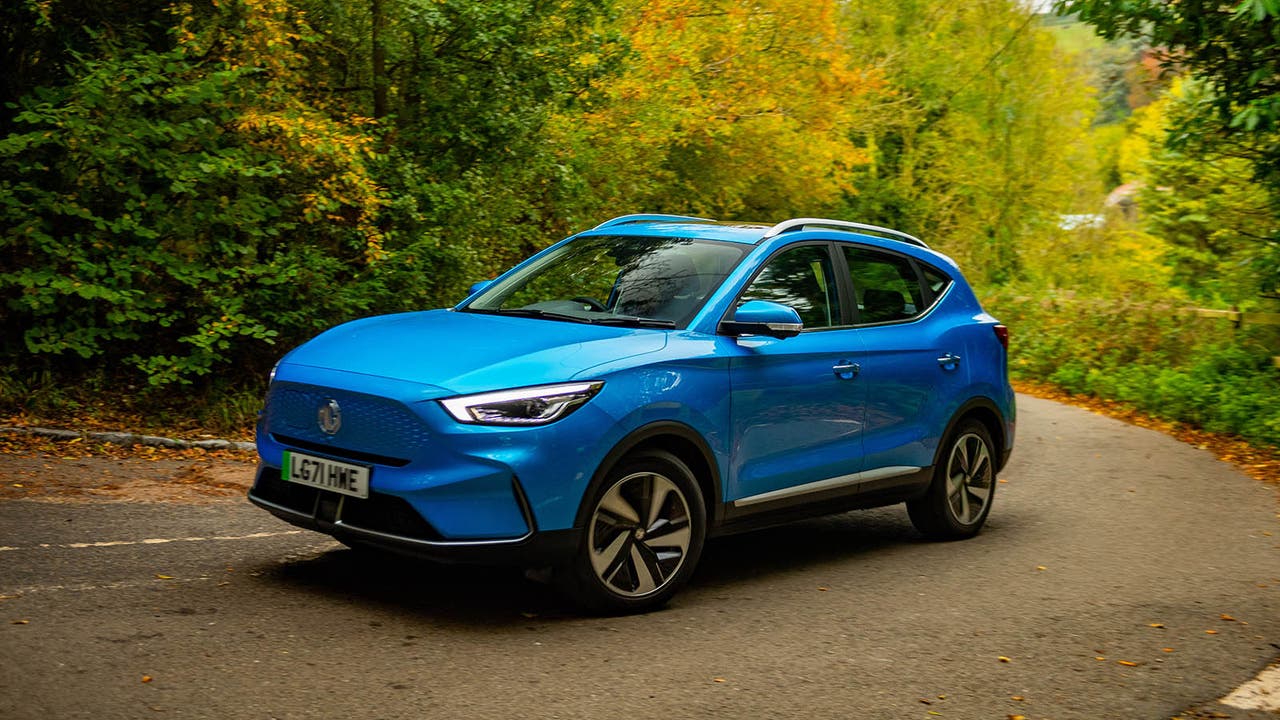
{"x": 1228, "y": 123}
{"x": 150, "y": 208}
{"x": 985, "y": 144}
{"x": 187, "y": 190}
{"x": 1138, "y": 349}
{"x": 1235, "y": 49}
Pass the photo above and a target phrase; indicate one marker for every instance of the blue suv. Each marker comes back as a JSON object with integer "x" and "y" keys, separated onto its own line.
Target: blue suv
{"x": 610, "y": 403}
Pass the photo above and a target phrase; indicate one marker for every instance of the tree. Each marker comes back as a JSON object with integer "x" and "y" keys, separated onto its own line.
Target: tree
{"x": 983, "y": 144}
{"x": 175, "y": 205}
{"x": 730, "y": 109}
{"x": 1233, "y": 52}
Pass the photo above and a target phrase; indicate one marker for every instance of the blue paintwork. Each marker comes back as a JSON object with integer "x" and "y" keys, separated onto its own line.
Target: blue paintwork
{"x": 773, "y": 412}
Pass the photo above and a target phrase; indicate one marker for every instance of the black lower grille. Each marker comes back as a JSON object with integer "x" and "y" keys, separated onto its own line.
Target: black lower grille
{"x": 380, "y": 513}
{"x": 387, "y": 514}
{"x": 271, "y": 488}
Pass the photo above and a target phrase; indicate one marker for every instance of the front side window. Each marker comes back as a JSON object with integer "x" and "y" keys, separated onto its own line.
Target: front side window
{"x": 802, "y": 278}
{"x": 617, "y": 280}
{"x": 886, "y": 286}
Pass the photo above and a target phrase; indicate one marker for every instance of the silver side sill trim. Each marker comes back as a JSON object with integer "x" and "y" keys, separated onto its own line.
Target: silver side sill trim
{"x": 828, "y": 484}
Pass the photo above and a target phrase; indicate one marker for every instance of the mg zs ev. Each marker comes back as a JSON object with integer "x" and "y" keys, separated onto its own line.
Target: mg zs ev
{"x": 609, "y": 404}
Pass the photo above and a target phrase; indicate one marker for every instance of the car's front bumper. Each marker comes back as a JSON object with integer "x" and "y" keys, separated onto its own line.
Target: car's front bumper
{"x": 388, "y": 522}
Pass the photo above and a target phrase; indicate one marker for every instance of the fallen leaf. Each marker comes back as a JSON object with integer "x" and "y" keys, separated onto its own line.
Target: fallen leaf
{"x": 1099, "y": 658}
{"x": 163, "y": 577}
{"x": 1041, "y": 567}
{"x": 719, "y": 680}
{"x": 1155, "y": 625}
{"x": 1166, "y": 649}
{"x": 1002, "y": 481}
{"x": 822, "y": 589}
{"x": 934, "y": 712}
{"x": 926, "y": 701}
{"x": 20, "y": 622}
{"x": 1018, "y": 698}
{"x": 1227, "y": 617}
{"x": 1017, "y": 717}
{"x": 942, "y": 697}
{"x": 146, "y": 678}
{"x": 1004, "y": 659}
{"x": 1127, "y": 663}
{"x": 1210, "y": 632}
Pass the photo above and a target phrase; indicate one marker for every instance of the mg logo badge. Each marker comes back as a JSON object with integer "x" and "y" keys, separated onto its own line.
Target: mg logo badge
{"x": 329, "y": 417}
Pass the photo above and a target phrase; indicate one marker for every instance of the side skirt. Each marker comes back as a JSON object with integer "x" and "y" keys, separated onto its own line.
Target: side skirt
{"x": 875, "y": 491}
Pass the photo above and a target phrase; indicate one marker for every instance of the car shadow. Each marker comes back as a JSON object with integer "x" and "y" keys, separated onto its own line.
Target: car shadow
{"x": 478, "y": 595}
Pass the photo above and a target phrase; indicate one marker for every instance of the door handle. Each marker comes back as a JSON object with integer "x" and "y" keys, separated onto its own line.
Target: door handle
{"x": 949, "y": 361}
{"x": 846, "y": 371}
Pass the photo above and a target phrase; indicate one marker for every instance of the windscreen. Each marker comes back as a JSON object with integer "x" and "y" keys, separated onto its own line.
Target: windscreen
{"x": 654, "y": 281}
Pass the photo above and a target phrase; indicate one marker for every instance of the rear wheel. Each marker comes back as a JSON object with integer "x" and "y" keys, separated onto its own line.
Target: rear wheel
{"x": 964, "y": 482}
{"x": 644, "y": 534}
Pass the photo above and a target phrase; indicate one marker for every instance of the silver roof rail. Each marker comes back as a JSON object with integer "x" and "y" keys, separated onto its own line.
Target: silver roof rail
{"x": 628, "y": 219}
{"x": 797, "y": 223}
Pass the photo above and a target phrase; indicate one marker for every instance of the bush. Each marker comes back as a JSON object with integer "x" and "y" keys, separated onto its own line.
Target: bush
{"x": 1147, "y": 354}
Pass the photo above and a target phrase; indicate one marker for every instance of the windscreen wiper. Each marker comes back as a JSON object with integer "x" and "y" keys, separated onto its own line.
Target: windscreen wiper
{"x": 631, "y": 320}
{"x": 535, "y": 313}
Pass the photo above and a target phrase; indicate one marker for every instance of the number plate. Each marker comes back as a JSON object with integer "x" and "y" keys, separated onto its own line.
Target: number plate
{"x": 326, "y": 474}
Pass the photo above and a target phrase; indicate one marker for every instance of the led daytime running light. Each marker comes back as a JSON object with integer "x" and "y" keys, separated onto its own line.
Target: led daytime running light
{"x": 525, "y": 406}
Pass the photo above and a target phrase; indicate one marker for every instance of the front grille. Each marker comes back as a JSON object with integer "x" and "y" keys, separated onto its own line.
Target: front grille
{"x": 354, "y": 455}
{"x": 372, "y": 426}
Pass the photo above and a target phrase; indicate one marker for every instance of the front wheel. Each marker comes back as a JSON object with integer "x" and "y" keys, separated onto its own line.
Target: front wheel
{"x": 644, "y": 534}
{"x": 964, "y": 482}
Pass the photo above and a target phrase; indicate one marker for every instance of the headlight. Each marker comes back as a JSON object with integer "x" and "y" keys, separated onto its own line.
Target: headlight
{"x": 525, "y": 406}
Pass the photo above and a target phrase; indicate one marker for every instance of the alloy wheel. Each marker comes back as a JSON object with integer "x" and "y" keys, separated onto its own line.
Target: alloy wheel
{"x": 639, "y": 534}
{"x": 970, "y": 475}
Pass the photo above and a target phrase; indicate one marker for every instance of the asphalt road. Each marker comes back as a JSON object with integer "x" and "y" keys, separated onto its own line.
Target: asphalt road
{"x": 1108, "y": 545}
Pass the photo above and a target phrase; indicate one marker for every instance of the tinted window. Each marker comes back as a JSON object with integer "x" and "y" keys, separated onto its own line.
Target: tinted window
{"x": 803, "y": 279}
{"x": 886, "y": 286}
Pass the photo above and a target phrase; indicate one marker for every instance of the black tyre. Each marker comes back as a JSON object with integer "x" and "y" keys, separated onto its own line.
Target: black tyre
{"x": 964, "y": 483}
{"x": 646, "y": 524}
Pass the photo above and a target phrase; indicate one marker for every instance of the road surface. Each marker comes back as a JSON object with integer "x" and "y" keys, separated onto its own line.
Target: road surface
{"x": 1122, "y": 574}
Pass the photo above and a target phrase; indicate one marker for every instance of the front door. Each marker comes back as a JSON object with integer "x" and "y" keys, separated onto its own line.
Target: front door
{"x": 797, "y": 408}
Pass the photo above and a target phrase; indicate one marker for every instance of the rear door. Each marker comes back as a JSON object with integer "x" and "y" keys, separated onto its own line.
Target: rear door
{"x": 908, "y": 366}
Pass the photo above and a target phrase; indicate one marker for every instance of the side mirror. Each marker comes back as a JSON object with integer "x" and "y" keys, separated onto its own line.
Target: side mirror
{"x": 478, "y": 287}
{"x": 762, "y": 317}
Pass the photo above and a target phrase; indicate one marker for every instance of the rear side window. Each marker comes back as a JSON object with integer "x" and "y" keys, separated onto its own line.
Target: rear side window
{"x": 935, "y": 281}
{"x": 803, "y": 278}
{"x": 885, "y": 286}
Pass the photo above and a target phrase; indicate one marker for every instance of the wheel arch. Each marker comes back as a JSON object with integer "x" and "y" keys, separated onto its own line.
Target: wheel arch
{"x": 676, "y": 438}
{"x": 986, "y": 411}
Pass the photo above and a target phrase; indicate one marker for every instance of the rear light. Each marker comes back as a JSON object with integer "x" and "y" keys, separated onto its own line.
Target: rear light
{"x": 1002, "y": 334}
